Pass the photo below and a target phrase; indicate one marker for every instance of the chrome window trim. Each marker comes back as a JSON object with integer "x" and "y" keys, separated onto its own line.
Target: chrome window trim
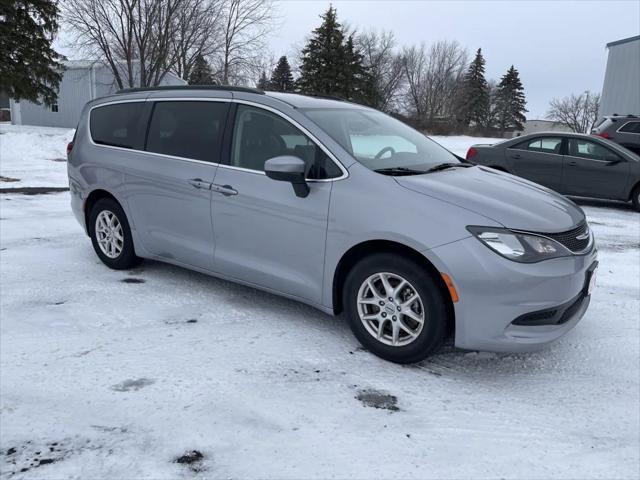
{"x": 345, "y": 172}
{"x": 628, "y": 133}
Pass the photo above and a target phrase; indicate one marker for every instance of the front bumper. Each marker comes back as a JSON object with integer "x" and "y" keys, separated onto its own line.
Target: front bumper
{"x": 497, "y": 296}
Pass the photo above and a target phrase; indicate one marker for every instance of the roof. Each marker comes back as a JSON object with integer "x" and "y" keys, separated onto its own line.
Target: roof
{"x": 294, "y": 100}
{"x": 297, "y": 100}
{"x": 624, "y": 40}
{"x": 191, "y": 87}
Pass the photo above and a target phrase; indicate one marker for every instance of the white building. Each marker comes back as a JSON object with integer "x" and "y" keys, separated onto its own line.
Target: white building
{"x": 534, "y": 126}
{"x": 621, "y": 88}
{"x": 82, "y": 81}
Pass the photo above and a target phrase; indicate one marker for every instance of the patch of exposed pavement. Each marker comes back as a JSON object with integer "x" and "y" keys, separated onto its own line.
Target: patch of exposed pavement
{"x": 132, "y": 385}
{"x": 371, "y": 397}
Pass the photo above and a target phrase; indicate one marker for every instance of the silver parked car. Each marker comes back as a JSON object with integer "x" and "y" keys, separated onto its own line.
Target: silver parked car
{"x": 569, "y": 163}
{"x": 621, "y": 129}
{"x": 335, "y": 205}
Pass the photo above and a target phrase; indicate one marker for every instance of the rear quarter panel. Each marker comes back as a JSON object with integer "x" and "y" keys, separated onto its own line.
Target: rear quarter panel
{"x": 490, "y": 156}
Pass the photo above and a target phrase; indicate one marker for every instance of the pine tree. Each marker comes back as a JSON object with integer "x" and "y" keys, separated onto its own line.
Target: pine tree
{"x": 332, "y": 65}
{"x": 263, "y": 82}
{"x": 281, "y": 77}
{"x": 30, "y": 68}
{"x": 201, "y": 72}
{"x": 510, "y": 102}
{"x": 473, "y": 101}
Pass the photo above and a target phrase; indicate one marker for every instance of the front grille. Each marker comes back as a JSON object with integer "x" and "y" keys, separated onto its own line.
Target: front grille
{"x": 569, "y": 240}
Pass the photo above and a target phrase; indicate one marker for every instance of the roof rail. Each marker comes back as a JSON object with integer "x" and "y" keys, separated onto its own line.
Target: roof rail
{"x": 224, "y": 88}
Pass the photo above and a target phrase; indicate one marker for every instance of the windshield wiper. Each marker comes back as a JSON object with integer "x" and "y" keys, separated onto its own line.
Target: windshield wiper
{"x": 399, "y": 171}
{"x": 444, "y": 166}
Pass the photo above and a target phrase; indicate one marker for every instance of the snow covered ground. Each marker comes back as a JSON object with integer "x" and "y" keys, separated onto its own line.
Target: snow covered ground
{"x": 111, "y": 375}
{"x": 33, "y": 156}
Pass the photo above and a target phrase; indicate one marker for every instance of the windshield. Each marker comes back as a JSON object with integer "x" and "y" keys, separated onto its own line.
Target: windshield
{"x": 380, "y": 142}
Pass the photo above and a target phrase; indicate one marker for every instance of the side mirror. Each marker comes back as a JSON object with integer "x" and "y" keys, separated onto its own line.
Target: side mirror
{"x": 288, "y": 168}
{"x": 613, "y": 159}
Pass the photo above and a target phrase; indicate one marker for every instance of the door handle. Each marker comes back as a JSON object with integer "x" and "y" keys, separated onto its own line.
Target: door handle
{"x": 199, "y": 183}
{"x": 573, "y": 164}
{"x": 226, "y": 190}
{"x": 516, "y": 156}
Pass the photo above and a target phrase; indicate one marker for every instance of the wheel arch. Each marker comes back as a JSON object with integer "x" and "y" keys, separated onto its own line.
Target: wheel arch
{"x": 633, "y": 189}
{"x": 91, "y": 200}
{"x": 371, "y": 247}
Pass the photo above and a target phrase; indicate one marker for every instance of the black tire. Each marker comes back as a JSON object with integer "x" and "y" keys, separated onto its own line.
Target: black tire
{"x": 434, "y": 327}
{"x": 127, "y": 257}
{"x": 635, "y": 198}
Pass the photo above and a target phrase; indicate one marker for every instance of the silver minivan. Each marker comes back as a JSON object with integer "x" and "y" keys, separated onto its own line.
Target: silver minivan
{"x": 336, "y": 205}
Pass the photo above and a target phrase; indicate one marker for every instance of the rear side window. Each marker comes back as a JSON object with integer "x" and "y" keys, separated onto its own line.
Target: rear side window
{"x": 187, "y": 129}
{"x": 116, "y": 125}
{"x": 542, "y": 145}
{"x": 630, "y": 127}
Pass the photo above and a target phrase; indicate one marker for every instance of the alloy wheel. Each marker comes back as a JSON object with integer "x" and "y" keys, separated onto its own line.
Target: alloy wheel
{"x": 109, "y": 234}
{"x": 390, "y": 309}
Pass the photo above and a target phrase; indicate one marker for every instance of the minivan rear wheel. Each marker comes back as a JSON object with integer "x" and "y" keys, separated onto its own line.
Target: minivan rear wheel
{"x": 111, "y": 235}
{"x": 395, "y": 308}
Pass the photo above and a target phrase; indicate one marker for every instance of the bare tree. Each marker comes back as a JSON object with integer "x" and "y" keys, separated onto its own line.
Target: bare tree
{"x": 245, "y": 25}
{"x": 433, "y": 77}
{"x": 578, "y": 112}
{"x": 133, "y": 37}
{"x": 198, "y": 31}
{"x": 385, "y": 67}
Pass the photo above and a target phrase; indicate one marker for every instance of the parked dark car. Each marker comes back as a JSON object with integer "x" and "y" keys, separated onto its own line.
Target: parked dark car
{"x": 624, "y": 130}
{"x": 569, "y": 163}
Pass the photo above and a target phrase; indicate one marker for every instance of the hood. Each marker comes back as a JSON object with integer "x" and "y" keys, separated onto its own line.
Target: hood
{"x": 511, "y": 201}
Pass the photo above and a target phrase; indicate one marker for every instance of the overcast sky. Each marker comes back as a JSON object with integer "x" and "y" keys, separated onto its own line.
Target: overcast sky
{"x": 558, "y": 46}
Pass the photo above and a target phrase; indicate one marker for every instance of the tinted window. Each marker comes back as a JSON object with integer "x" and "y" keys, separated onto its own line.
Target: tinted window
{"x": 542, "y": 145}
{"x": 631, "y": 127}
{"x": 116, "y": 124}
{"x": 260, "y": 135}
{"x": 187, "y": 129}
{"x": 586, "y": 149}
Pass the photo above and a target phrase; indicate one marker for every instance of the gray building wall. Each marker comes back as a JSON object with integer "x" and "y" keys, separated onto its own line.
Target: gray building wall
{"x": 82, "y": 81}
{"x": 621, "y": 88}
{"x": 74, "y": 92}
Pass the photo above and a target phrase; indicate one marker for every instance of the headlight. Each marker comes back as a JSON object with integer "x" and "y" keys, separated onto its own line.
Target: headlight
{"x": 519, "y": 247}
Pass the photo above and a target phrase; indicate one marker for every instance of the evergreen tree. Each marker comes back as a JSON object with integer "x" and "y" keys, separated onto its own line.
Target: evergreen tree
{"x": 332, "y": 65}
{"x": 281, "y": 77}
{"x": 263, "y": 82}
{"x": 30, "y": 68}
{"x": 201, "y": 72}
{"x": 510, "y": 102}
{"x": 473, "y": 101}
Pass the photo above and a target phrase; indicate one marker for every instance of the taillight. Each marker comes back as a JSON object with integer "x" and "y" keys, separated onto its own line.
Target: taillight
{"x": 472, "y": 152}
{"x": 603, "y": 135}
{"x": 69, "y": 148}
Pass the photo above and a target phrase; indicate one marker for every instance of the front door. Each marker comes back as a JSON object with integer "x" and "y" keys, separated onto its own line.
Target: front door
{"x": 593, "y": 170}
{"x": 168, "y": 186}
{"x": 539, "y": 160}
{"x": 264, "y": 233}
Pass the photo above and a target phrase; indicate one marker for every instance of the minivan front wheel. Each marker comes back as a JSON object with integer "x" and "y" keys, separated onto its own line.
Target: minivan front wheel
{"x": 111, "y": 235}
{"x": 395, "y": 308}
